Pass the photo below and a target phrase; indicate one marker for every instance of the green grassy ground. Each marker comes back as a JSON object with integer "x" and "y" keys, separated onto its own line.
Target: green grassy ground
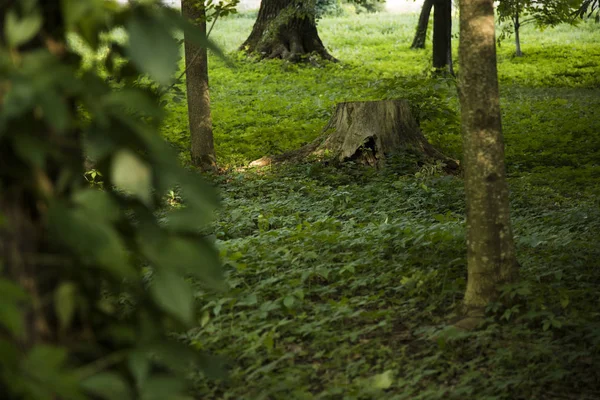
{"x": 342, "y": 280}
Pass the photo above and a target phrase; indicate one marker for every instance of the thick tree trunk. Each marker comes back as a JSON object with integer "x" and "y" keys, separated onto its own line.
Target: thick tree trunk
{"x": 442, "y": 36}
{"x": 421, "y": 33}
{"x": 367, "y": 132}
{"x": 285, "y": 29}
{"x": 198, "y": 97}
{"x": 490, "y": 248}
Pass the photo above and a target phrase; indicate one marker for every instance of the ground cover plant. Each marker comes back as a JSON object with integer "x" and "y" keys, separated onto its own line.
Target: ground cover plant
{"x": 343, "y": 279}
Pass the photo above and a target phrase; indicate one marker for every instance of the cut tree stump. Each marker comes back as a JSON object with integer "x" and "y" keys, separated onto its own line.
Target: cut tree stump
{"x": 367, "y": 131}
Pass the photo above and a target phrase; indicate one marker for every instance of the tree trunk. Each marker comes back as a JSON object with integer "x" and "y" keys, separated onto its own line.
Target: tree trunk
{"x": 198, "y": 97}
{"x": 366, "y": 132}
{"x": 442, "y": 36}
{"x": 285, "y": 29}
{"x": 517, "y": 26}
{"x": 421, "y": 33}
{"x": 490, "y": 248}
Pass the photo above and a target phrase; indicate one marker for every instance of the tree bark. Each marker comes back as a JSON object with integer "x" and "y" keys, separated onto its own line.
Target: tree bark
{"x": 202, "y": 149}
{"x": 442, "y": 36}
{"x": 367, "y": 132}
{"x": 517, "y": 25}
{"x": 421, "y": 33}
{"x": 490, "y": 248}
{"x": 286, "y": 29}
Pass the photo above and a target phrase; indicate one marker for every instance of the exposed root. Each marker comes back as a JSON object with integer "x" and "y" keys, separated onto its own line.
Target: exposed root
{"x": 472, "y": 319}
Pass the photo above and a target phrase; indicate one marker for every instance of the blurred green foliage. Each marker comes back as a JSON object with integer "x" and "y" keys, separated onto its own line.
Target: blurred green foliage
{"x": 92, "y": 258}
{"x": 341, "y": 7}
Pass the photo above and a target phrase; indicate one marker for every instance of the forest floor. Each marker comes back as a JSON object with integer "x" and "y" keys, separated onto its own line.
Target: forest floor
{"x": 342, "y": 280}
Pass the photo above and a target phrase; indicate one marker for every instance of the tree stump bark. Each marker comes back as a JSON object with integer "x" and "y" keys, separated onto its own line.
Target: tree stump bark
{"x": 286, "y": 29}
{"x": 366, "y": 132}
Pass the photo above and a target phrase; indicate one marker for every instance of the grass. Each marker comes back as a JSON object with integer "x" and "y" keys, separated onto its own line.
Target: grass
{"x": 342, "y": 280}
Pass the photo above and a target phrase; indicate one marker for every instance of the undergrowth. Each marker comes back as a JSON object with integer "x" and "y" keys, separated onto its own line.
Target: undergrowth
{"x": 343, "y": 280}
{"x": 342, "y": 283}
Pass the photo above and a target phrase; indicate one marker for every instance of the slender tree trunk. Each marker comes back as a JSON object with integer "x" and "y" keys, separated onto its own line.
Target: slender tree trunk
{"x": 517, "y": 26}
{"x": 490, "y": 248}
{"x": 442, "y": 35}
{"x": 421, "y": 33}
{"x": 286, "y": 29}
{"x": 198, "y": 97}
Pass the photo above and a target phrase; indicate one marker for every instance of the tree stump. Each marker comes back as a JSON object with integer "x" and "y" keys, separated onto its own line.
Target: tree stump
{"x": 366, "y": 132}
{"x": 286, "y": 29}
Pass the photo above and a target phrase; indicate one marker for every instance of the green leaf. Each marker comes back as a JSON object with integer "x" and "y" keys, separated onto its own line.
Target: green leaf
{"x": 21, "y": 31}
{"x": 92, "y": 238}
{"x": 546, "y": 325}
{"x": 174, "y": 355}
{"x": 163, "y": 388}
{"x": 12, "y": 318}
{"x": 189, "y": 219}
{"x": 250, "y": 300}
{"x": 84, "y": 17}
{"x": 196, "y": 193}
{"x": 43, "y": 361}
{"x": 199, "y": 197}
{"x": 11, "y": 292}
{"x": 205, "y": 319}
{"x": 556, "y": 323}
{"x": 152, "y": 48}
{"x": 30, "y": 149}
{"x": 64, "y": 303}
{"x": 288, "y": 301}
{"x": 46, "y": 375}
{"x": 195, "y": 257}
{"x": 97, "y": 144}
{"x": 132, "y": 175}
{"x": 98, "y": 203}
{"x": 55, "y": 110}
{"x": 383, "y": 380}
{"x": 107, "y": 385}
{"x": 10, "y": 353}
{"x": 19, "y": 99}
{"x": 139, "y": 365}
{"x": 173, "y": 294}
{"x": 160, "y": 153}
{"x": 213, "y": 366}
{"x": 134, "y": 100}
{"x": 11, "y": 314}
